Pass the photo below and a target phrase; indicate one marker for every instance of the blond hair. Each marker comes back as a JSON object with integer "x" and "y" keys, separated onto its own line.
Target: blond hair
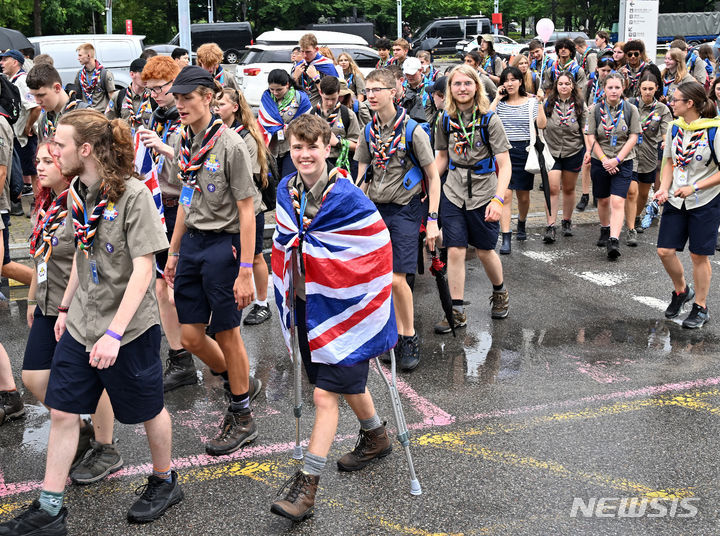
{"x": 245, "y": 117}
{"x": 86, "y": 47}
{"x": 481, "y": 101}
{"x": 680, "y": 66}
{"x": 527, "y": 77}
{"x": 308, "y": 41}
{"x": 354, "y": 69}
{"x": 402, "y": 43}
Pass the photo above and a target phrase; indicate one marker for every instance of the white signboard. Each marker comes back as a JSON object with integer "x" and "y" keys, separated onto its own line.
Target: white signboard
{"x": 640, "y": 19}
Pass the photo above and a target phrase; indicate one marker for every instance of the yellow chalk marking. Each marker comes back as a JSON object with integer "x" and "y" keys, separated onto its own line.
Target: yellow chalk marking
{"x": 9, "y": 508}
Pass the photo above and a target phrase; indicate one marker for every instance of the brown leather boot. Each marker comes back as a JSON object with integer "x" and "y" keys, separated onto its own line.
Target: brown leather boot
{"x": 370, "y": 445}
{"x": 300, "y": 499}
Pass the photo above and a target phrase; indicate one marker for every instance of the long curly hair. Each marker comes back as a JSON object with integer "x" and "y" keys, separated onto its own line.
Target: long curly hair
{"x": 245, "y": 117}
{"x": 575, "y": 97}
{"x": 112, "y": 147}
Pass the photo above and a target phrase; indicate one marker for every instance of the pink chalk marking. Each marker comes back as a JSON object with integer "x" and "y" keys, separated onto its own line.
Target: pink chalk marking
{"x": 598, "y": 371}
{"x": 202, "y": 460}
{"x": 431, "y": 413}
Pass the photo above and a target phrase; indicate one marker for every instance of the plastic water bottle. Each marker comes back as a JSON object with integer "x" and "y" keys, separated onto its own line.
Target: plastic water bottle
{"x": 651, "y": 212}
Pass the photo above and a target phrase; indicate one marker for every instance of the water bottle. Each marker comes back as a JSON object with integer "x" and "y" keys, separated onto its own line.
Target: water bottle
{"x": 651, "y": 211}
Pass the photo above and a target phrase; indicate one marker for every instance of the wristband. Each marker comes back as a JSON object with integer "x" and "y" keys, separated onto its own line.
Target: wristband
{"x": 496, "y": 200}
{"x": 246, "y": 265}
{"x": 32, "y": 302}
{"x": 114, "y": 335}
{"x": 431, "y": 219}
{"x": 618, "y": 160}
{"x": 173, "y": 254}
{"x": 63, "y": 308}
{"x": 502, "y": 201}
{"x": 695, "y": 189}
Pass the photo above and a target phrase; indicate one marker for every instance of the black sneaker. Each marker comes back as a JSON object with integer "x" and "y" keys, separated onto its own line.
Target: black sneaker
{"x": 155, "y": 497}
{"x": 36, "y": 522}
{"x": 613, "y": 248}
{"x": 410, "y": 354}
{"x": 549, "y": 237}
{"x": 27, "y": 190}
{"x": 257, "y": 315}
{"x": 604, "y": 236}
{"x": 583, "y": 203}
{"x": 567, "y": 228}
{"x": 697, "y": 317}
{"x": 678, "y": 300}
{"x": 180, "y": 370}
{"x": 12, "y": 405}
{"x": 238, "y": 429}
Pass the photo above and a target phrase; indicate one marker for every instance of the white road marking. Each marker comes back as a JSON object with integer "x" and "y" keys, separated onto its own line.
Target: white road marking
{"x": 603, "y": 279}
{"x": 651, "y": 302}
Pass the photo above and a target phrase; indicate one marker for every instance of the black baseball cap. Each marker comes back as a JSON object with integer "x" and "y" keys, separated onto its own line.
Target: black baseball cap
{"x": 137, "y": 65}
{"x": 439, "y": 86}
{"x": 190, "y": 78}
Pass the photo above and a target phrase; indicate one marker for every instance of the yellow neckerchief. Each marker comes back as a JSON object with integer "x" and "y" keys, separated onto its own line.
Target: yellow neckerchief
{"x": 698, "y": 124}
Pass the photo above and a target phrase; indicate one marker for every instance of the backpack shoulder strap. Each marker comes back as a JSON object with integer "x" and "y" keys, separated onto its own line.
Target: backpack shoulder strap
{"x": 345, "y": 116}
{"x": 356, "y": 106}
{"x": 446, "y": 123}
{"x": 410, "y": 127}
{"x": 485, "y": 131}
{"x": 367, "y": 132}
{"x": 711, "y": 133}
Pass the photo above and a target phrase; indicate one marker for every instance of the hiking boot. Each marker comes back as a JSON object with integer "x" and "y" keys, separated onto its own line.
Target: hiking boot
{"x": 631, "y": 239}
{"x": 255, "y": 385}
{"x": 521, "y": 233}
{"x": 459, "y": 319}
{"x": 16, "y": 208}
{"x": 613, "y": 248}
{"x": 604, "y": 236}
{"x": 36, "y": 521}
{"x": 257, "y": 315}
{"x": 549, "y": 236}
{"x": 638, "y": 225}
{"x": 500, "y": 300}
{"x": 369, "y": 446}
{"x": 506, "y": 246}
{"x": 11, "y": 405}
{"x": 567, "y": 228}
{"x": 180, "y": 370}
{"x": 155, "y": 497}
{"x": 87, "y": 435}
{"x": 102, "y": 461}
{"x": 237, "y": 429}
{"x": 678, "y": 300}
{"x": 409, "y": 354}
{"x": 697, "y": 317}
{"x": 583, "y": 203}
{"x": 299, "y": 501}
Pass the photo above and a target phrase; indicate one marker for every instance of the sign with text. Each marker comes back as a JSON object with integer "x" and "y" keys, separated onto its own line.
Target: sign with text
{"x": 639, "y": 20}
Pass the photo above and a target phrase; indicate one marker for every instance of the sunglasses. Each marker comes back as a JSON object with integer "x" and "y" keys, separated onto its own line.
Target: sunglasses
{"x": 633, "y": 54}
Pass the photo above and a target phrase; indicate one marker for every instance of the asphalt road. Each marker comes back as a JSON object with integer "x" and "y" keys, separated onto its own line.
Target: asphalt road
{"x": 584, "y": 394}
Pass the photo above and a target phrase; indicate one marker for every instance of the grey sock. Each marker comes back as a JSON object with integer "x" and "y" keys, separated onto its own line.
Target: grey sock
{"x": 51, "y": 502}
{"x": 371, "y": 423}
{"x": 314, "y": 465}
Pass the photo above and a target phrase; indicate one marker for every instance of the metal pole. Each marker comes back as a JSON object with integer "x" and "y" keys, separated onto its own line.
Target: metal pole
{"x": 297, "y": 360}
{"x": 108, "y": 16}
{"x": 184, "y": 24}
{"x": 496, "y": 9}
{"x": 399, "y": 19}
{"x": 211, "y": 15}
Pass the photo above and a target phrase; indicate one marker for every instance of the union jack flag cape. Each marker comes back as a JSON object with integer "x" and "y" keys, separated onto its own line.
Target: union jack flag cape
{"x": 322, "y": 64}
{"x": 148, "y": 171}
{"x": 269, "y": 117}
{"x": 347, "y": 257}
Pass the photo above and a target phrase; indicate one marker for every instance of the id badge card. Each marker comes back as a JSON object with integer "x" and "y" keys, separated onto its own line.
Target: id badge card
{"x": 94, "y": 272}
{"x": 682, "y": 177}
{"x": 186, "y": 195}
{"x": 613, "y": 141}
{"x": 42, "y": 274}
{"x": 640, "y": 139}
{"x": 281, "y": 135}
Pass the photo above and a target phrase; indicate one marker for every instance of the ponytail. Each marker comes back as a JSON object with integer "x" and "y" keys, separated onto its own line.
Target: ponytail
{"x": 693, "y": 91}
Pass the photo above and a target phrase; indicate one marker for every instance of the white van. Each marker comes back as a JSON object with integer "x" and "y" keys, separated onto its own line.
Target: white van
{"x": 114, "y": 51}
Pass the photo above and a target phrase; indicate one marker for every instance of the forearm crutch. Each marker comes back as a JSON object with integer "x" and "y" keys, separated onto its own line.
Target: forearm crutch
{"x": 296, "y": 359}
{"x": 402, "y": 430}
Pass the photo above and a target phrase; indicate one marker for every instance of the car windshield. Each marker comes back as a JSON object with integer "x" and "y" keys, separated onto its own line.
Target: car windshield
{"x": 266, "y": 56}
{"x": 424, "y": 29}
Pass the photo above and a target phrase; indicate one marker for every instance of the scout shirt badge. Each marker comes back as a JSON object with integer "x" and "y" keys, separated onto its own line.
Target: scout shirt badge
{"x": 212, "y": 164}
{"x": 110, "y": 212}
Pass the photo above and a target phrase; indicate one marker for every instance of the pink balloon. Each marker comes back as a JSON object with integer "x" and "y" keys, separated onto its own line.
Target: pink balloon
{"x": 545, "y": 28}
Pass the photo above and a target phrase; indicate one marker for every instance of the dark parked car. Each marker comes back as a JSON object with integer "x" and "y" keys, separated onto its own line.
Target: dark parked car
{"x": 449, "y": 31}
{"x": 232, "y": 37}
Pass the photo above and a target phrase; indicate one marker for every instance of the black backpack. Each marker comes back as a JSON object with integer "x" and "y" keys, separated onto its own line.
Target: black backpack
{"x": 10, "y": 101}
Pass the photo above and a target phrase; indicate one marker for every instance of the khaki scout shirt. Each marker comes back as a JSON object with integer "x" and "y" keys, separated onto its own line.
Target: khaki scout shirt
{"x": 280, "y": 144}
{"x": 624, "y": 127}
{"x": 6, "y": 154}
{"x": 674, "y": 85}
{"x": 313, "y": 200}
{"x": 647, "y": 148}
{"x": 49, "y": 293}
{"x": 387, "y": 185}
{"x": 695, "y": 172}
{"x": 357, "y": 85}
{"x": 129, "y": 228}
{"x": 253, "y": 151}
{"x": 169, "y": 185}
{"x": 483, "y": 186}
{"x": 116, "y": 109}
{"x": 564, "y": 140}
{"x": 225, "y": 178}
{"x": 349, "y": 132}
{"x": 580, "y": 77}
{"x": 101, "y": 93}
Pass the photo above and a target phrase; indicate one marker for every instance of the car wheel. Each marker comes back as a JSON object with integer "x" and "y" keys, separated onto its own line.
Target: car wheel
{"x": 232, "y": 56}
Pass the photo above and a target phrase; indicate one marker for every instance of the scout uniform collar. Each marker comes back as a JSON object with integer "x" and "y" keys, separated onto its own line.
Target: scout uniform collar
{"x": 189, "y": 163}
{"x": 382, "y": 150}
{"x": 84, "y": 224}
{"x": 41, "y": 242}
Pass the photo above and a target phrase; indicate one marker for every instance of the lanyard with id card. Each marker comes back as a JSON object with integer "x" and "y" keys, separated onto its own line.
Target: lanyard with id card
{"x": 93, "y": 269}
{"x": 42, "y": 273}
{"x": 186, "y": 195}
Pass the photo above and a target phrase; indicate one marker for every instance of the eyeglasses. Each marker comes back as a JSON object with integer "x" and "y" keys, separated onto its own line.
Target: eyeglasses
{"x": 159, "y": 89}
{"x": 672, "y": 99}
{"x": 633, "y": 54}
{"x": 462, "y": 83}
{"x": 373, "y": 90}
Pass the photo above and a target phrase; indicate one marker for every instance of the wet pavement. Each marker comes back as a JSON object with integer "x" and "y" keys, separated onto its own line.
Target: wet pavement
{"x": 584, "y": 394}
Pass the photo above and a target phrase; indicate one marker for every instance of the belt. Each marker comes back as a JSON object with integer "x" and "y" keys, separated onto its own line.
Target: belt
{"x": 170, "y": 201}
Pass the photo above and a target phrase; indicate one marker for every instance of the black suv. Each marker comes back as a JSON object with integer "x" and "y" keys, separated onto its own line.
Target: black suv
{"x": 232, "y": 37}
{"x": 450, "y": 30}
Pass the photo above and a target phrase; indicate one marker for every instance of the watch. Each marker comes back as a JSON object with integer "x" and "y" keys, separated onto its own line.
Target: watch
{"x": 433, "y": 215}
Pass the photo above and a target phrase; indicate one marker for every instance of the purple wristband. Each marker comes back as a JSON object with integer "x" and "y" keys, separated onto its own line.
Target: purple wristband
{"x": 246, "y": 265}
{"x": 113, "y": 335}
